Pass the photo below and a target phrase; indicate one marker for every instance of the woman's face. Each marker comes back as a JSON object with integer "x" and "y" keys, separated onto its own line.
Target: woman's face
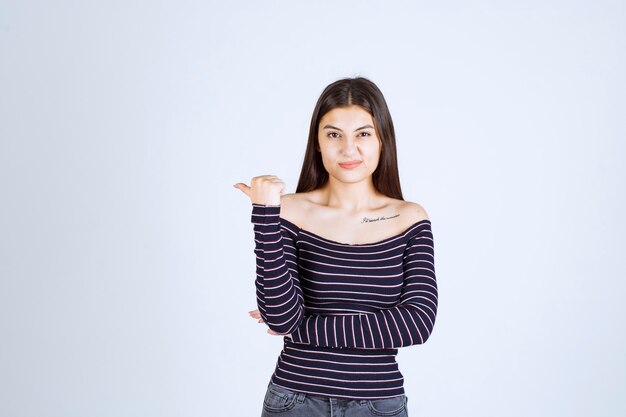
{"x": 348, "y": 143}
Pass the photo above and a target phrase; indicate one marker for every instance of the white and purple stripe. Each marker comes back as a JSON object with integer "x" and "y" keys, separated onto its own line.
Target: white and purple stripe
{"x": 347, "y": 308}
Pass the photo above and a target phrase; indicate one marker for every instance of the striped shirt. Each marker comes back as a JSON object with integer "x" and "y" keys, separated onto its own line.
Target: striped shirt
{"x": 345, "y": 308}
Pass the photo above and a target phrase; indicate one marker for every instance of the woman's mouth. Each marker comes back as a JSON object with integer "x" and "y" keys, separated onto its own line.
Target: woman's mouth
{"x": 350, "y": 164}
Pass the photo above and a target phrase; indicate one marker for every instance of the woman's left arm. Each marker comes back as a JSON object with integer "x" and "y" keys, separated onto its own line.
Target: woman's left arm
{"x": 410, "y": 322}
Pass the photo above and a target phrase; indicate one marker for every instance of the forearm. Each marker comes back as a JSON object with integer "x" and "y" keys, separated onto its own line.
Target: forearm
{"x": 400, "y": 326}
{"x": 278, "y": 294}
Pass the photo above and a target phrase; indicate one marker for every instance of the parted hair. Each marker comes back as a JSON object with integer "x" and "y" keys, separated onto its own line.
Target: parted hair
{"x": 363, "y": 93}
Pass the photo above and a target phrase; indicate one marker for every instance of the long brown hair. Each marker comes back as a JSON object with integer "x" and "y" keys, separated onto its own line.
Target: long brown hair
{"x": 364, "y": 93}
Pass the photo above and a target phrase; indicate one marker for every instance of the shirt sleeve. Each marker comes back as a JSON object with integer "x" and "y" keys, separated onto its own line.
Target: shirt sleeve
{"x": 279, "y": 296}
{"x": 409, "y": 322}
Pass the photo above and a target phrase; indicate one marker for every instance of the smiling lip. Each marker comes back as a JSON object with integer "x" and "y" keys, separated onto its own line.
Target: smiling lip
{"x": 350, "y": 164}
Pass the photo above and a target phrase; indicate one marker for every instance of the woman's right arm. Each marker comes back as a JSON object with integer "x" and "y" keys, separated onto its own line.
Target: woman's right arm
{"x": 279, "y": 296}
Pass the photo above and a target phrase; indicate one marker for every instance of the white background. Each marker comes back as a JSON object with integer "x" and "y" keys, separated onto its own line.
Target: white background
{"x": 126, "y": 258}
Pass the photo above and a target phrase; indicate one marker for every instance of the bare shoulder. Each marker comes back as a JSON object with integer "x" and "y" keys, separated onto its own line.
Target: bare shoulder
{"x": 295, "y": 207}
{"x": 411, "y": 212}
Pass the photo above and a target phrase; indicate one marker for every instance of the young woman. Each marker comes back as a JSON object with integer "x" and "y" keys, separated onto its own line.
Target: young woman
{"x": 345, "y": 266}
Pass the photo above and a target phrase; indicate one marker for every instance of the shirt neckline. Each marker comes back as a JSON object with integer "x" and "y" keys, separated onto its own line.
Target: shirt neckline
{"x": 334, "y": 242}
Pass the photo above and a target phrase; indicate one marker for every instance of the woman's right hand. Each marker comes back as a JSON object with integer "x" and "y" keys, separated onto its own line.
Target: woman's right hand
{"x": 255, "y": 314}
{"x": 264, "y": 189}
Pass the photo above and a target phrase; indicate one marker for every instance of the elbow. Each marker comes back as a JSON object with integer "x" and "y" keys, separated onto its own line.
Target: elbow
{"x": 423, "y": 320}
{"x": 419, "y": 336}
{"x": 429, "y": 329}
{"x": 426, "y": 336}
{"x": 429, "y": 316}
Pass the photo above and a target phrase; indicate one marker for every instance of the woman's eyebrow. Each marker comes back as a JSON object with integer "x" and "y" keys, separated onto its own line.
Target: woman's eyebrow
{"x": 360, "y": 128}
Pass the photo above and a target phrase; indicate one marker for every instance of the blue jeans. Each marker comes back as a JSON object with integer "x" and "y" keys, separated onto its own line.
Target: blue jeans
{"x": 281, "y": 402}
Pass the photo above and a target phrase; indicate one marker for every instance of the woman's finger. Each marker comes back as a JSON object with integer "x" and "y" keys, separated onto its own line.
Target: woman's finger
{"x": 243, "y": 187}
{"x": 256, "y": 315}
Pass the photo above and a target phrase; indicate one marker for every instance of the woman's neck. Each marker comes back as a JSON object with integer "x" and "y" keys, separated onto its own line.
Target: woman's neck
{"x": 350, "y": 197}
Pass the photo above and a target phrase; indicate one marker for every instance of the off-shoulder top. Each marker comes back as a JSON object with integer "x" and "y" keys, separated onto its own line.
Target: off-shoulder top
{"x": 345, "y": 308}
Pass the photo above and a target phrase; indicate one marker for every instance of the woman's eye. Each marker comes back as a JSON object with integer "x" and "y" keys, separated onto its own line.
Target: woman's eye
{"x": 363, "y": 134}
{"x": 333, "y": 135}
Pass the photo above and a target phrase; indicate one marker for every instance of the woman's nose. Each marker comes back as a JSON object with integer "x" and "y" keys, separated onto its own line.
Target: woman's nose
{"x": 349, "y": 147}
